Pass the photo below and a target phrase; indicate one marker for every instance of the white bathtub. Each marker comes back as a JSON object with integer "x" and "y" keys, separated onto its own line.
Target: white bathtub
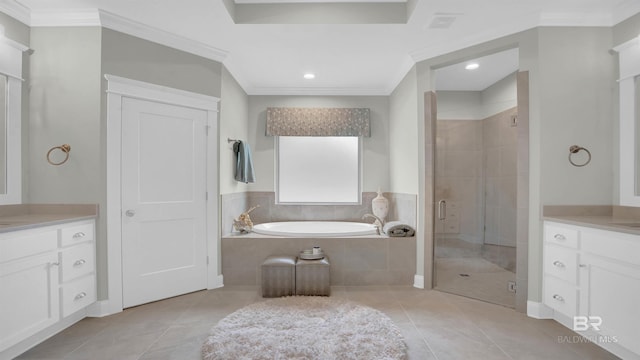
{"x": 315, "y": 228}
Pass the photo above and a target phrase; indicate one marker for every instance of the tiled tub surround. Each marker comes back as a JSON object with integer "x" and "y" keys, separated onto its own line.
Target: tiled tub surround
{"x": 370, "y": 260}
{"x": 355, "y": 261}
{"x": 401, "y": 207}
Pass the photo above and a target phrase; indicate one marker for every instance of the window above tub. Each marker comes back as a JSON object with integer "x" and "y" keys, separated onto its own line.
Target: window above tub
{"x": 318, "y": 154}
{"x": 318, "y": 170}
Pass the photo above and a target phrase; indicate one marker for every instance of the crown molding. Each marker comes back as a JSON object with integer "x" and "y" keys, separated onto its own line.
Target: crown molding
{"x": 96, "y": 17}
{"x": 16, "y": 11}
{"x": 127, "y": 26}
{"x": 57, "y": 18}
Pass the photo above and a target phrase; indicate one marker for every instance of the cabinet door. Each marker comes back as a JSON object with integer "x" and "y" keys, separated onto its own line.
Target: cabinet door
{"x": 611, "y": 291}
{"x": 29, "y": 297}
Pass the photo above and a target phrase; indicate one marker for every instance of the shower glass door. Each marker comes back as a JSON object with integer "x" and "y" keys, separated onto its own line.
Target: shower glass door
{"x": 476, "y": 146}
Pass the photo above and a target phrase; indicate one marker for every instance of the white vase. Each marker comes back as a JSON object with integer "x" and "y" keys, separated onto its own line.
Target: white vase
{"x": 380, "y": 206}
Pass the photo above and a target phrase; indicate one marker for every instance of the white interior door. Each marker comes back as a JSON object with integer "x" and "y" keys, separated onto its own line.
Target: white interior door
{"x": 164, "y": 246}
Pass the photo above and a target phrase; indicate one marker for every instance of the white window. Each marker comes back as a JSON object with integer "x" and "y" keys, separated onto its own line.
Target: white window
{"x": 318, "y": 169}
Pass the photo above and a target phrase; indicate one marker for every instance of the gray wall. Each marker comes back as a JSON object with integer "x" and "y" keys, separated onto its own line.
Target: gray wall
{"x": 376, "y": 147}
{"x": 131, "y": 57}
{"x": 404, "y": 152}
{"x": 576, "y": 83}
{"x": 65, "y": 109}
{"x": 234, "y": 123}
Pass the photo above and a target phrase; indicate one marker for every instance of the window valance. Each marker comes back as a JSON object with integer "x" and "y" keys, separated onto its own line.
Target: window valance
{"x": 318, "y": 122}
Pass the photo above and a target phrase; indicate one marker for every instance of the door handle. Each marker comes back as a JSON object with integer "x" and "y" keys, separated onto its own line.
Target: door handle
{"x": 130, "y": 213}
{"x": 442, "y": 210}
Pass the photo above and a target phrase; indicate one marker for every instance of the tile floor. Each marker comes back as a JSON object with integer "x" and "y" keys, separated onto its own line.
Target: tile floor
{"x": 461, "y": 270}
{"x": 435, "y": 325}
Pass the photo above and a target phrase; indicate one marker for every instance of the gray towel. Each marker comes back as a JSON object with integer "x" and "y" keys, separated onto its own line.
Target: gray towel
{"x": 397, "y": 229}
{"x": 244, "y": 164}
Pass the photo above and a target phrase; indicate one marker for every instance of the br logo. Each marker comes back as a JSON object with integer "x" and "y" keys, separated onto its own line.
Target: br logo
{"x": 582, "y": 323}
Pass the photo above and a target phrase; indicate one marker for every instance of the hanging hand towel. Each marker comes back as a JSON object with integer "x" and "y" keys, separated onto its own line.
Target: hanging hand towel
{"x": 244, "y": 164}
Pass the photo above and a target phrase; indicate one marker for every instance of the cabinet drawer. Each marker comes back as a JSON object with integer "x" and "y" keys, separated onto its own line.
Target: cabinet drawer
{"x": 21, "y": 244}
{"x": 560, "y": 235}
{"x": 70, "y": 235}
{"x": 614, "y": 245}
{"x": 561, "y": 262}
{"x": 560, "y": 295}
{"x": 77, "y": 261}
{"x": 78, "y": 294}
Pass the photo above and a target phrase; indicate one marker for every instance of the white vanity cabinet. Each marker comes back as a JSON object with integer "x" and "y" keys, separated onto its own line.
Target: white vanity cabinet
{"x": 594, "y": 274}
{"x": 46, "y": 274}
{"x": 29, "y": 300}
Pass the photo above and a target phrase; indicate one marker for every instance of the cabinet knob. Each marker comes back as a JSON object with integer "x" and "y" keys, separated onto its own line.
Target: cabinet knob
{"x": 583, "y": 265}
{"x": 559, "y": 237}
{"x": 558, "y": 297}
{"x": 130, "y": 213}
{"x": 558, "y": 264}
{"x": 79, "y": 235}
{"x": 80, "y": 262}
{"x": 80, "y": 296}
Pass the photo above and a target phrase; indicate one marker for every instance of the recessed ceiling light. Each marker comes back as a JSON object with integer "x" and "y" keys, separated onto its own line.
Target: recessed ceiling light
{"x": 472, "y": 66}
{"x": 309, "y": 76}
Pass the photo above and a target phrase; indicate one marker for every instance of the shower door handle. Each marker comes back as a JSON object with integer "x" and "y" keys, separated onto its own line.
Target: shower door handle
{"x": 442, "y": 210}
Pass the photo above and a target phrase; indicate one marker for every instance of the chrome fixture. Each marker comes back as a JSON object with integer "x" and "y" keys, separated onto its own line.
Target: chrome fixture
{"x": 378, "y": 223}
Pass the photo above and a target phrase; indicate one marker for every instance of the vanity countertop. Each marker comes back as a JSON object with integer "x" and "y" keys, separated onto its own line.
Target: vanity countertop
{"x": 610, "y": 218}
{"x": 30, "y": 216}
{"x": 609, "y": 223}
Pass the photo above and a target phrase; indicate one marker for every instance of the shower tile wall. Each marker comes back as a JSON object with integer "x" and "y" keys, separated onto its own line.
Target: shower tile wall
{"x": 402, "y": 207}
{"x": 477, "y": 176}
{"x": 459, "y": 178}
{"x": 501, "y": 178}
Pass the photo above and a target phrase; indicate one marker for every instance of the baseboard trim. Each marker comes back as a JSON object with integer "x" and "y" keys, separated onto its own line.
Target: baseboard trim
{"x": 418, "y": 281}
{"x": 539, "y": 310}
{"x": 100, "y": 308}
{"x": 218, "y": 282}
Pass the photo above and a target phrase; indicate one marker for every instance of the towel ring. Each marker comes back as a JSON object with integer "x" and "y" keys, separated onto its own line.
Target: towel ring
{"x": 574, "y": 149}
{"x": 65, "y": 148}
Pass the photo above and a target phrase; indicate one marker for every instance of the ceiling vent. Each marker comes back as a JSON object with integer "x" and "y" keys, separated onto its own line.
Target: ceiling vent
{"x": 442, "y": 21}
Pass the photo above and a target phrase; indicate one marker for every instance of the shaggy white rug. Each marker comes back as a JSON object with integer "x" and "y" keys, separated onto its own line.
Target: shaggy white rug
{"x": 305, "y": 327}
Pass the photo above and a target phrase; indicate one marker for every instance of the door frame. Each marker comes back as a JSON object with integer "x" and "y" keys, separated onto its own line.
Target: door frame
{"x": 117, "y": 89}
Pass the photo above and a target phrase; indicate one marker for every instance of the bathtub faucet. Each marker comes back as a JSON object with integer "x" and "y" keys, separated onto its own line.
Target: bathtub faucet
{"x": 378, "y": 222}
